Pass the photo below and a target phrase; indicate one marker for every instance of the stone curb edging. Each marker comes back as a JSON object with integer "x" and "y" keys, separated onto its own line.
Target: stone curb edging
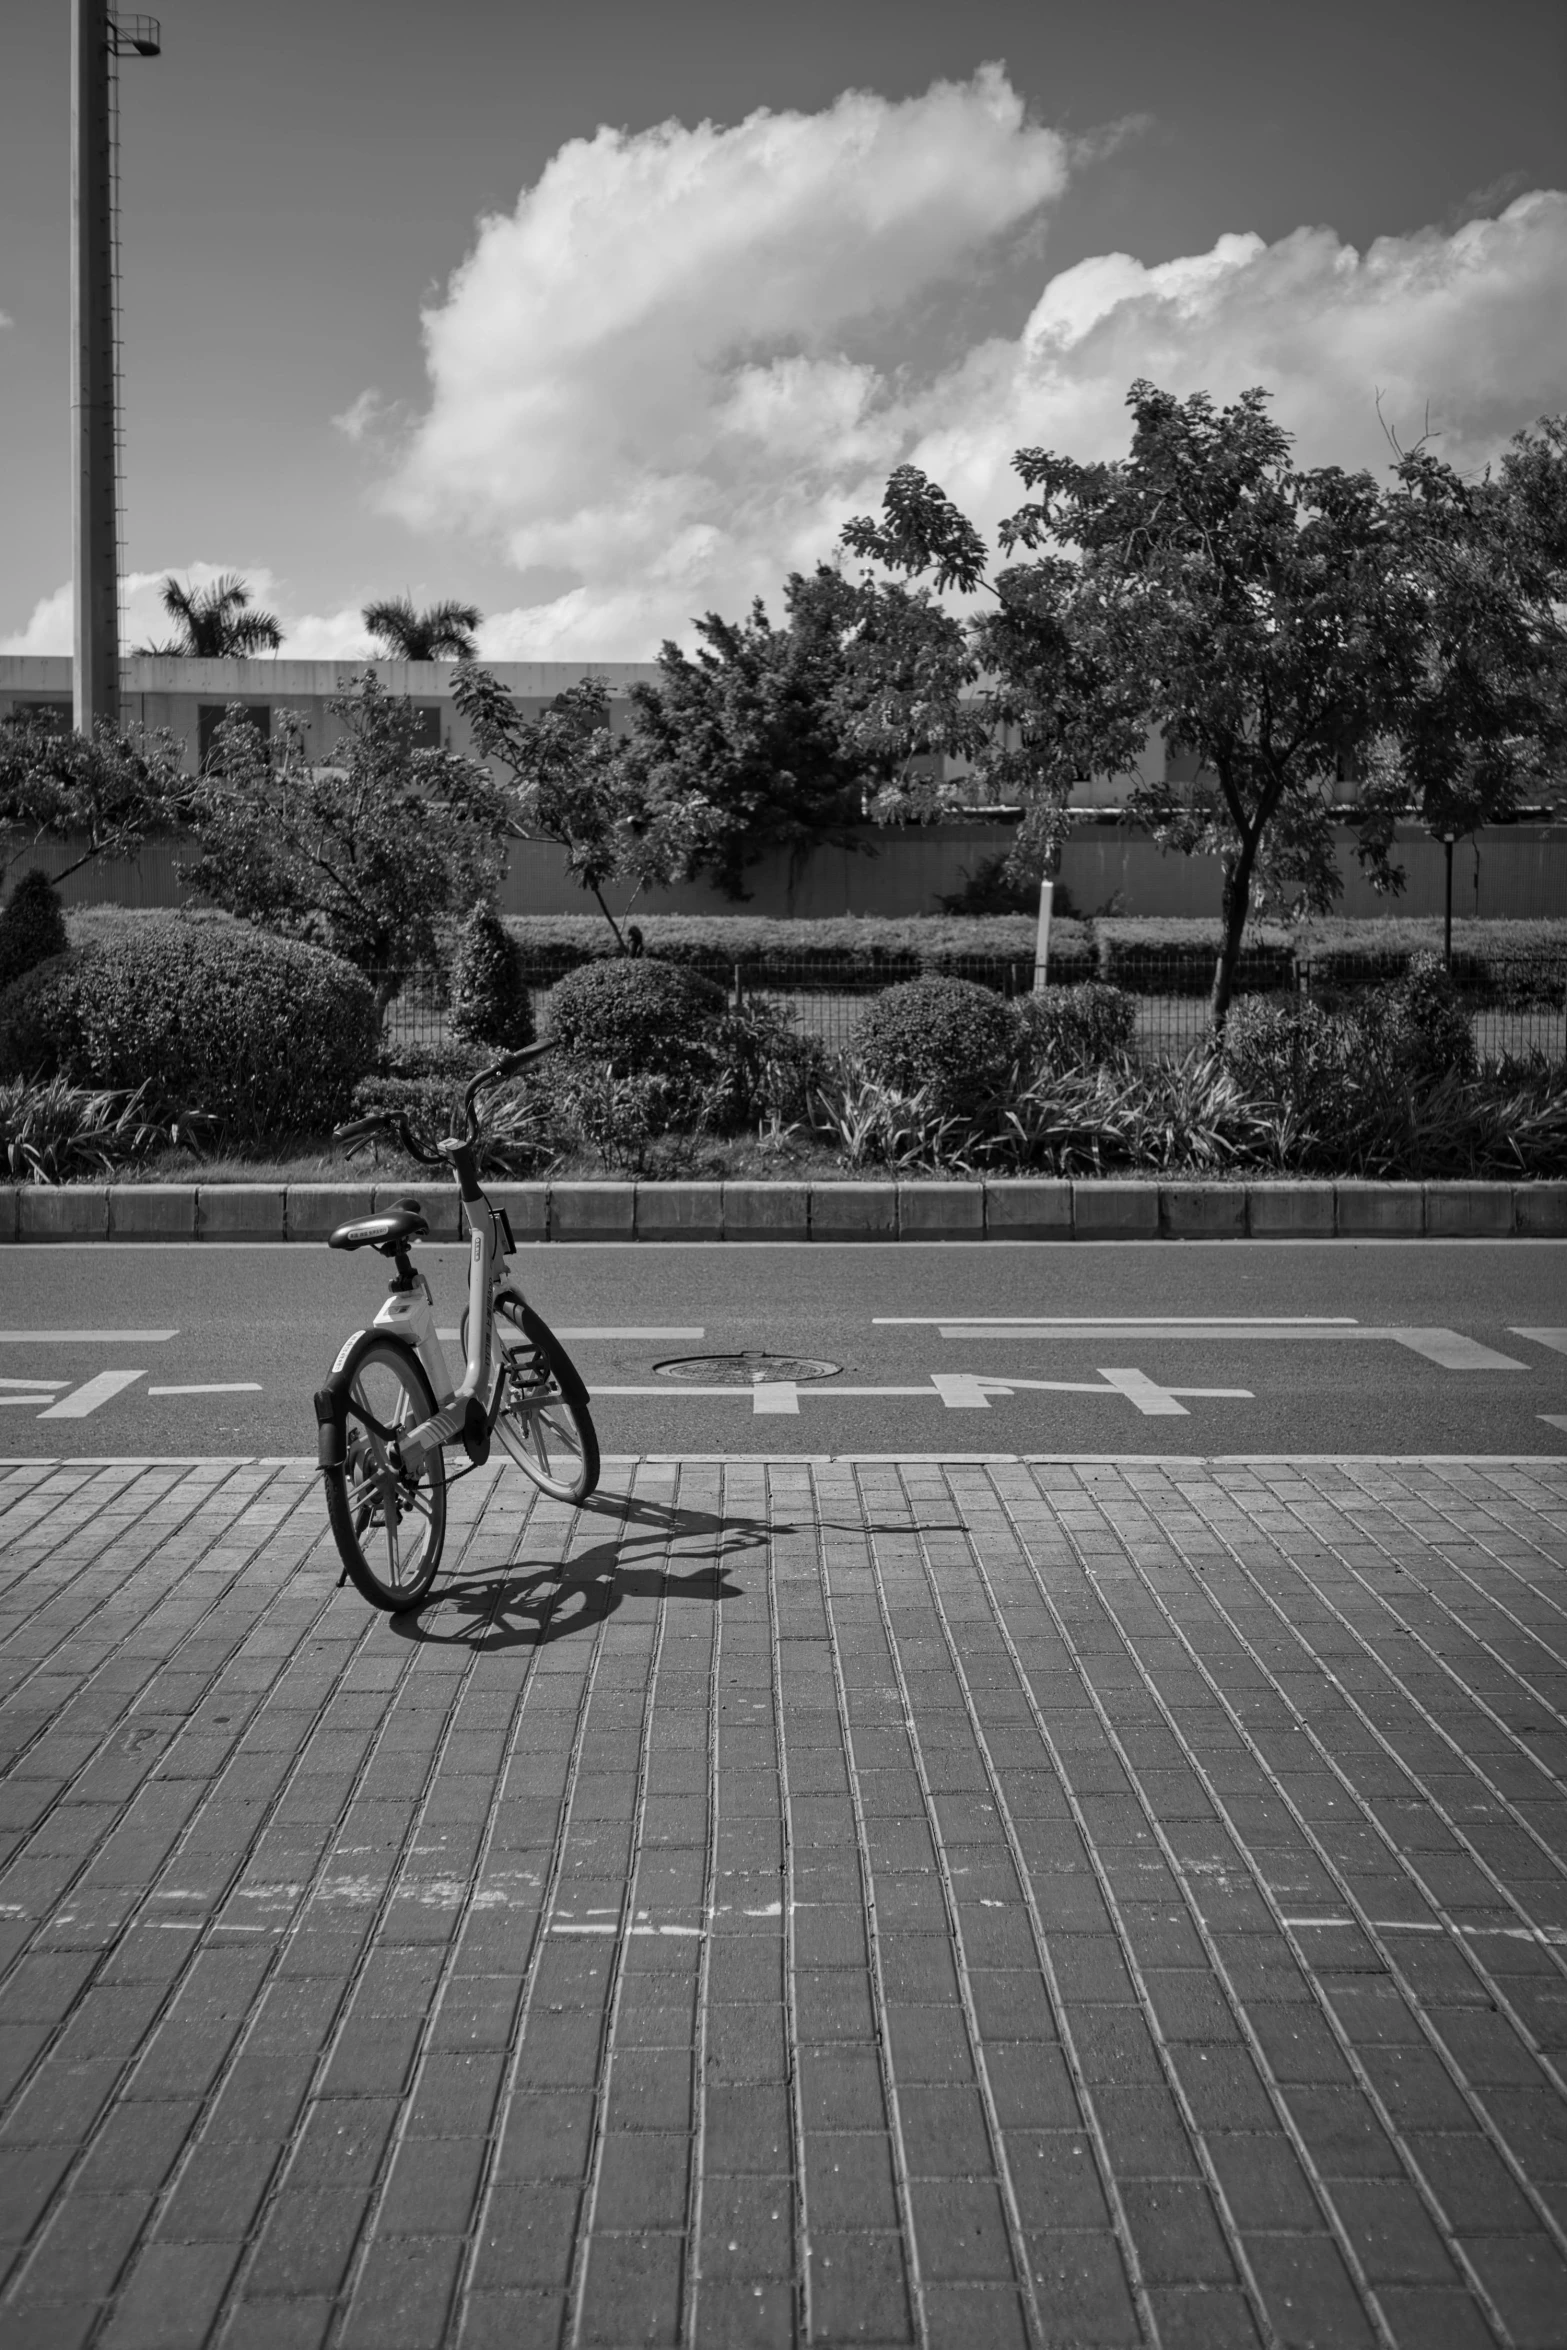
{"x": 1019, "y": 1208}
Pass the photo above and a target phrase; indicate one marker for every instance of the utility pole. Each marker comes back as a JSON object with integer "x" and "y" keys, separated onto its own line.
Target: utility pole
{"x": 97, "y": 40}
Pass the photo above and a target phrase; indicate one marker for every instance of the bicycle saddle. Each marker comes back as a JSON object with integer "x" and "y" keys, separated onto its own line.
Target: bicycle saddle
{"x": 388, "y": 1231}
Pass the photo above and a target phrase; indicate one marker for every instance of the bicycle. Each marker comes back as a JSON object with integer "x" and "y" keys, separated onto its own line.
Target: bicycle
{"x": 388, "y": 1410}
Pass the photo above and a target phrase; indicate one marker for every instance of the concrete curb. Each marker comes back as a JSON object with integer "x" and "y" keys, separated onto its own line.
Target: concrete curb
{"x": 1013, "y": 1209}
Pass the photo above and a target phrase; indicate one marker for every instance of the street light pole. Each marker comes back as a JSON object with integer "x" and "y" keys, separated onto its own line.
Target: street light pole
{"x": 97, "y": 39}
{"x": 1447, "y": 918}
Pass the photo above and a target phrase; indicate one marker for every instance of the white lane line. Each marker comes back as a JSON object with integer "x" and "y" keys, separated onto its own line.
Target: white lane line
{"x": 693, "y": 1330}
{"x": 31, "y": 1384}
{"x": 46, "y": 1396}
{"x": 83, "y": 1400}
{"x": 1099, "y": 1321}
{"x": 84, "y": 1337}
{"x": 780, "y": 1397}
{"x": 1447, "y": 1348}
{"x": 1556, "y": 1339}
{"x": 1555, "y": 1420}
{"x": 213, "y": 1387}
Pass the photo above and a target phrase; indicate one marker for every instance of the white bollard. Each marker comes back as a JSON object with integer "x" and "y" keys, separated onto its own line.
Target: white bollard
{"x": 1042, "y": 941}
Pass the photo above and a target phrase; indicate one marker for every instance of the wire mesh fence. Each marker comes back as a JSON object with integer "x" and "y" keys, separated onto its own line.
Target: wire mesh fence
{"x": 1514, "y": 1007}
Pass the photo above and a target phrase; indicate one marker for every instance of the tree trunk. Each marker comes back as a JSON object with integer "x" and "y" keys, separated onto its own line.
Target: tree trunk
{"x": 1237, "y": 901}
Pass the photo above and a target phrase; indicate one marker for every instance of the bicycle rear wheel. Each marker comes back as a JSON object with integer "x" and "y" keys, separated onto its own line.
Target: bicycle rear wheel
{"x": 543, "y": 1418}
{"x": 389, "y": 1528}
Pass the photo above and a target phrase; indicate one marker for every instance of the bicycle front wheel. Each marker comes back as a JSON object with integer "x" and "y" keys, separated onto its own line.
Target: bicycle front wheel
{"x": 543, "y": 1418}
{"x": 389, "y": 1528}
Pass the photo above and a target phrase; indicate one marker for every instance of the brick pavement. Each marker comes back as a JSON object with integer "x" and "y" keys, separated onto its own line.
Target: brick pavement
{"x": 790, "y": 1901}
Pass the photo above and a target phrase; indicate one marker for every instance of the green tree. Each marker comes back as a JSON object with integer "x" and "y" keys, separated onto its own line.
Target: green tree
{"x": 369, "y": 855}
{"x": 216, "y": 622}
{"x": 99, "y": 795}
{"x": 439, "y": 632}
{"x": 563, "y": 777}
{"x": 1482, "y": 730}
{"x": 1268, "y": 622}
{"x": 748, "y": 746}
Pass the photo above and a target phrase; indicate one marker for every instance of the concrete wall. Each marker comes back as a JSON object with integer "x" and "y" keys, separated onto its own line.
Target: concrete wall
{"x": 1518, "y": 870}
{"x": 166, "y": 691}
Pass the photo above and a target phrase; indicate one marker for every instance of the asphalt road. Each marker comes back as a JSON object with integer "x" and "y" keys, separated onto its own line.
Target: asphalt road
{"x": 1355, "y": 1347}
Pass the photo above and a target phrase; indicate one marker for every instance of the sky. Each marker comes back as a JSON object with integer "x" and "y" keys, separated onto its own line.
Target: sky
{"x": 606, "y": 316}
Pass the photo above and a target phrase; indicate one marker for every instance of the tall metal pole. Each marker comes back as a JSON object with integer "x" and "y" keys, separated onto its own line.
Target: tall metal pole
{"x": 96, "y": 679}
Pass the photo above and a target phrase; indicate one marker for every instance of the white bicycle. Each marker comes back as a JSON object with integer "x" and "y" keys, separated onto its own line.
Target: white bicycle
{"x": 388, "y": 1410}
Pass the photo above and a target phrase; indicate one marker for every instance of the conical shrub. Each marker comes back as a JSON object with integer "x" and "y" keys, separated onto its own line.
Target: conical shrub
{"x": 490, "y": 1000}
{"x": 32, "y": 927}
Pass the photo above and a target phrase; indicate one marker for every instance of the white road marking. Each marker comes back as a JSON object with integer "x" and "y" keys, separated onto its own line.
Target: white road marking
{"x": 1448, "y": 1348}
{"x": 1453, "y": 1352}
{"x": 958, "y": 1390}
{"x": 214, "y": 1387}
{"x": 85, "y": 1399}
{"x": 84, "y": 1337}
{"x": 30, "y": 1384}
{"x": 1556, "y": 1339}
{"x": 47, "y": 1396}
{"x": 578, "y": 1336}
{"x": 777, "y": 1396}
{"x": 1555, "y": 1420}
{"x": 1097, "y": 1321}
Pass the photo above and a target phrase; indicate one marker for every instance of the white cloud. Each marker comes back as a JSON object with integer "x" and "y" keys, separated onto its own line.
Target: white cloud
{"x": 306, "y": 636}
{"x": 363, "y": 416}
{"x": 635, "y": 375}
{"x": 643, "y": 380}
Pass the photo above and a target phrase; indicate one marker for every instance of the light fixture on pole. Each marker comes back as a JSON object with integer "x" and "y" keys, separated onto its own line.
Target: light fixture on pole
{"x": 98, "y": 39}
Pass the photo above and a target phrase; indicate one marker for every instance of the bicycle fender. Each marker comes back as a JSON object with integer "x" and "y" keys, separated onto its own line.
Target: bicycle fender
{"x": 331, "y": 1402}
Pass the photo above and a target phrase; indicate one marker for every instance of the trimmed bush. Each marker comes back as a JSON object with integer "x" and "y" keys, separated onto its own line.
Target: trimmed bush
{"x": 639, "y": 1014}
{"x": 811, "y": 956}
{"x": 1506, "y": 962}
{"x": 1077, "y": 1027}
{"x": 263, "y": 1035}
{"x": 1419, "y": 1025}
{"x": 1286, "y": 1049}
{"x": 1175, "y": 955}
{"x": 946, "y": 1036}
{"x": 32, "y": 927}
{"x": 490, "y": 1001}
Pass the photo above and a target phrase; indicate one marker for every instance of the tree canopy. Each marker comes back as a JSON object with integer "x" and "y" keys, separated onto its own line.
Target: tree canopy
{"x": 1283, "y": 629}
{"x": 440, "y": 632}
{"x": 102, "y": 793}
{"x": 368, "y": 854}
{"x": 215, "y": 622}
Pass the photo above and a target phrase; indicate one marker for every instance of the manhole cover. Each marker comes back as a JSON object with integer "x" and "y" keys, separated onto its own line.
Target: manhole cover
{"x": 745, "y": 1370}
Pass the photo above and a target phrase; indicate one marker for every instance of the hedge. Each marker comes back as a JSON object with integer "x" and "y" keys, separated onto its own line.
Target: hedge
{"x": 1507, "y": 961}
{"x": 811, "y": 956}
{"x": 1176, "y": 955}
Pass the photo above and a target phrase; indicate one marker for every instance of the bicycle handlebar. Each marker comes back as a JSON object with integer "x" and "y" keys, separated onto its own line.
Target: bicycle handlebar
{"x": 379, "y": 1121}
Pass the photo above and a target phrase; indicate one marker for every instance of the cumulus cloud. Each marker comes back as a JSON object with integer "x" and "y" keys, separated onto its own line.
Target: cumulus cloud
{"x": 648, "y": 384}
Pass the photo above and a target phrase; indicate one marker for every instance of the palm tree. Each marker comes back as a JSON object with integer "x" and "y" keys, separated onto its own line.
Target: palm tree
{"x": 216, "y": 623}
{"x": 430, "y": 635}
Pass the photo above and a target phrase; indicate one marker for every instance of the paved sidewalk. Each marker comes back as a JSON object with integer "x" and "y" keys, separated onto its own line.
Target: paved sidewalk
{"x": 790, "y": 1902}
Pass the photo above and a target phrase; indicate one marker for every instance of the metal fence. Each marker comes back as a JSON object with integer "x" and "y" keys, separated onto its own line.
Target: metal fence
{"x": 1514, "y": 1008}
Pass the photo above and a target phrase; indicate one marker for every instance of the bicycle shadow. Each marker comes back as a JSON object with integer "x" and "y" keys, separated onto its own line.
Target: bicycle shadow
{"x": 529, "y": 1610}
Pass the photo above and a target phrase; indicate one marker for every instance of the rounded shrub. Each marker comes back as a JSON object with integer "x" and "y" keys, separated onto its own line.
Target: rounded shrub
{"x": 32, "y": 926}
{"x": 1077, "y": 1027}
{"x": 264, "y": 1035}
{"x": 1284, "y": 1048}
{"x": 490, "y": 1002}
{"x": 645, "y": 1018}
{"x": 951, "y": 1037}
{"x": 1420, "y": 1026}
